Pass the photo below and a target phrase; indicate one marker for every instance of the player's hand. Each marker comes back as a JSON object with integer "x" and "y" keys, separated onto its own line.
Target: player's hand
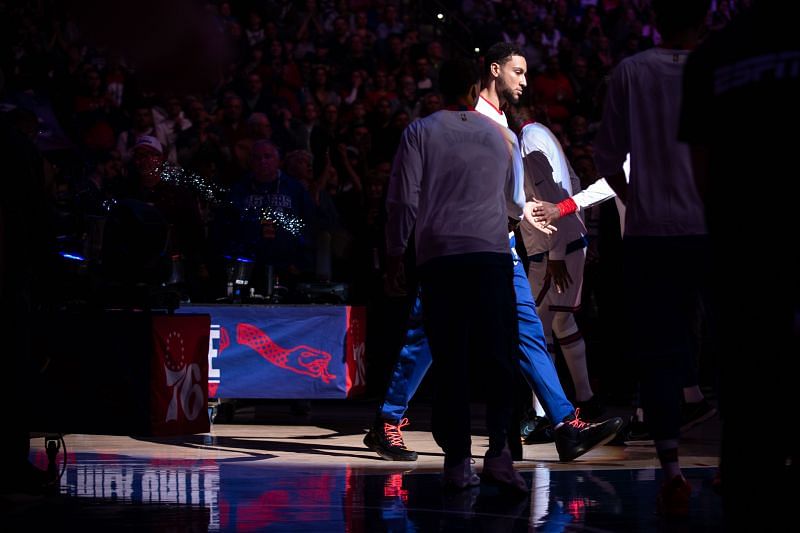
{"x": 528, "y": 214}
{"x": 546, "y": 213}
{"x": 394, "y": 280}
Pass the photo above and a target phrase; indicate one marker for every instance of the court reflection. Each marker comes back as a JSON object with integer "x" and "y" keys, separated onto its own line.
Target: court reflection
{"x": 245, "y": 495}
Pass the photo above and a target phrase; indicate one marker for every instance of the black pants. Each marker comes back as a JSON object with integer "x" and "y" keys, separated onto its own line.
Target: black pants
{"x": 469, "y": 306}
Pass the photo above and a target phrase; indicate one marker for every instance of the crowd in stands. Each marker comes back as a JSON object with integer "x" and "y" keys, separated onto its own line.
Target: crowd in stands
{"x": 323, "y": 88}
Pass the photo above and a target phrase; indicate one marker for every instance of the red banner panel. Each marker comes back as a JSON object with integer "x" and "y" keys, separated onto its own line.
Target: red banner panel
{"x": 179, "y": 368}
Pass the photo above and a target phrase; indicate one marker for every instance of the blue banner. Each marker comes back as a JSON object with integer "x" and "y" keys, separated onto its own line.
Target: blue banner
{"x": 278, "y": 351}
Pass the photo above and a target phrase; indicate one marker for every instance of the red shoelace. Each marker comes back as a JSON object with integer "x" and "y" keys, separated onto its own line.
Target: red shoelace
{"x": 577, "y": 423}
{"x": 394, "y": 433}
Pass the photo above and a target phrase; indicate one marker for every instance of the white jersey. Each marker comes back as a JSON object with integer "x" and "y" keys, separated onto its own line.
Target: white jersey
{"x": 549, "y": 177}
{"x": 662, "y": 198}
{"x": 454, "y": 181}
{"x": 485, "y": 107}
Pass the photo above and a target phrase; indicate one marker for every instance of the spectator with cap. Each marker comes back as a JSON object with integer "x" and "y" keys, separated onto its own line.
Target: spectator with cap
{"x": 150, "y": 183}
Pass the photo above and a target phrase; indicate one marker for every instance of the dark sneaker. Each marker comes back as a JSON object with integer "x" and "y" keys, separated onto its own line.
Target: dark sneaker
{"x": 693, "y": 413}
{"x": 673, "y": 498}
{"x": 576, "y": 437}
{"x": 386, "y": 439}
{"x": 591, "y": 409}
{"x": 536, "y": 430}
{"x": 637, "y": 434}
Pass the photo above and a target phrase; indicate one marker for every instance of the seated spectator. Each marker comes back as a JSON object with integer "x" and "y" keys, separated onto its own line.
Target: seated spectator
{"x": 178, "y": 206}
{"x": 255, "y": 97}
{"x": 427, "y": 105}
{"x": 552, "y": 90}
{"x": 378, "y": 89}
{"x": 173, "y": 119}
{"x": 320, "y": 90}
{"x": 92, "y": 110}
{"x": 259, "y": 127}
{"x": 326, "y": 229}
{"x": 144, "y": 125}
{"x": 230, "y": 120}
{"x": 202, "y": 136}
{"x": 275, "y": 213}
{"x": 90, "y": 194}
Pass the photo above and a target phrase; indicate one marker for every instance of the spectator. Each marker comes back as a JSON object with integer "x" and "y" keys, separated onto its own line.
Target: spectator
{"x": 276, "y": 214}
{"x": 143, "y": 124}
{"x": 175, "y": 203}
{"x": 552, "y": 91}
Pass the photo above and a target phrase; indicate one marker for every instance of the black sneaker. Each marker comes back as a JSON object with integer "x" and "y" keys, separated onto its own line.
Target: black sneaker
{"x": 576, "y": 437}
{"x": 536, "y": 430}
{"x": 591, "y": 409}
{"x": 386, "y": 439}
{"x": 693, "y": 413}
{"x": 637, "y": 434}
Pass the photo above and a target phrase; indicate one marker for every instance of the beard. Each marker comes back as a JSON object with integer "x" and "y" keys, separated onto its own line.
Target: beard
{"x": 509, "y": 95}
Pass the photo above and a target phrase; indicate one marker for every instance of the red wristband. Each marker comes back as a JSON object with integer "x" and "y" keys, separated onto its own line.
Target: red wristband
{"x": 567, "y": 207}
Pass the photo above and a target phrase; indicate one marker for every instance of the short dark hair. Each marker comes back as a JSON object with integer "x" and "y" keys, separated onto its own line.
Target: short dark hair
{"x": 456, "y": 76}
{"x": 499, "y": 53}
{"x": 674, "y": 16}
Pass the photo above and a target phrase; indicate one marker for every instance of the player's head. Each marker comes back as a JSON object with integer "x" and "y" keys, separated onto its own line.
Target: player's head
{"x": 505, "y": 67}
{"x": 459, "y": 81}
{"x": 676, "y": 16}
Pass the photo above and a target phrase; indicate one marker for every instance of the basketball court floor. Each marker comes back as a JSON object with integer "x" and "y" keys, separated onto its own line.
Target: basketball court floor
{"x": 272, "y": 470}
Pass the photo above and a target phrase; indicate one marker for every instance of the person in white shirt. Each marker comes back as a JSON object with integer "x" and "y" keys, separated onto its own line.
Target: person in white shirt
{"x": 556, "y": 261}
{"x": 695, "y": 408}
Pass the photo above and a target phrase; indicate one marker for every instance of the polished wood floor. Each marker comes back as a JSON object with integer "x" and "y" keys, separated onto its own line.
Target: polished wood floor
{"x": 272, "y": 470}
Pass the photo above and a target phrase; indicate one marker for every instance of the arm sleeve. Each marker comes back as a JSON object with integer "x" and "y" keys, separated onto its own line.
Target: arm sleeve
{"x": 515, "y": 192}
{"x": 596, "y": 193}
{"x": 612, "y": 143}
{"x": 403, "y": 192}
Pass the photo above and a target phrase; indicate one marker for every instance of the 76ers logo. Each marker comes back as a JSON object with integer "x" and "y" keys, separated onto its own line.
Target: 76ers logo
{"x": 187, "y": 395}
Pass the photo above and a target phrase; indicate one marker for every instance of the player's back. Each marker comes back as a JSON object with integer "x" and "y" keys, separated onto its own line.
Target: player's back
{"x": 468, "y": 172}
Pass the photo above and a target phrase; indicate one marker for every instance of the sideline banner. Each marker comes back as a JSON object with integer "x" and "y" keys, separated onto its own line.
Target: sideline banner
{"x": 123, "y": 373}
{"x": 285, "y": 351}
{"x": 179, "y": 366}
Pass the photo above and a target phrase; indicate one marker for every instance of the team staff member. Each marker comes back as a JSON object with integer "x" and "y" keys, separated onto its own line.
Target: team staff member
{"x": 453, "y": 182}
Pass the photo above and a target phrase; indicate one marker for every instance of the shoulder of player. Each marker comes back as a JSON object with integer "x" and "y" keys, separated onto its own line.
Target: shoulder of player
{"x": 536, "y": 134}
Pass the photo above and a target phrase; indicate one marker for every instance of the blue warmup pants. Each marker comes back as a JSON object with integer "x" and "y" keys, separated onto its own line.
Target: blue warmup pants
{"x": 535, "y": 363}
